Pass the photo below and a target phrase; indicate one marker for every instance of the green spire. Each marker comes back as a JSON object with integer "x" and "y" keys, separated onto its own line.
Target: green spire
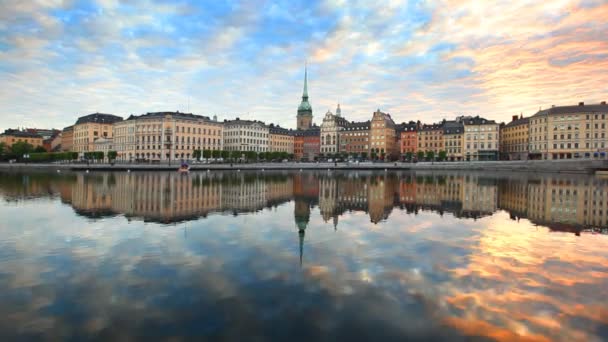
{"x": 305, "y": 93}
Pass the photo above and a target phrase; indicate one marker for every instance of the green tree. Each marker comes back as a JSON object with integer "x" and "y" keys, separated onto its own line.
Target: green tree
{"x": 196, "y": 154}
{"x": 2, "y": 147}
{"x": 220, "y": 154}
{"x": 207, "y": 154}
{"x": 251, "y": 155}
{"x": 112, "y": 155}
{"x": 430, "y": 155}
{"x": 21, "y": 147}
{"x": 235, "y": 155}
{"x": 442, "y": 155}
{"x": 409, "y": 156}
{"x": 364, "y": 155}
{"x": 39, "y": 149}
{"x": 420, "y": 155}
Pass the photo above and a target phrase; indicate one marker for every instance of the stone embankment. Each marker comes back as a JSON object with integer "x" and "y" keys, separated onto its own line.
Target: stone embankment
{"x": 559, "y": 166}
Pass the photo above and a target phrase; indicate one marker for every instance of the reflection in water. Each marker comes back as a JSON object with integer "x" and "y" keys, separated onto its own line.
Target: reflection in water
{"x": 391, "y": 265}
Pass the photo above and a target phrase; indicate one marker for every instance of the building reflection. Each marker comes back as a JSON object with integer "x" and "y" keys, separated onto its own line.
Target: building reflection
{"x": 570, "y": 203}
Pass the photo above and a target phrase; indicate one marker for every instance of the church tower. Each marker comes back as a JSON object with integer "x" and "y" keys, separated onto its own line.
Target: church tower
{"x": 304, "y": 110}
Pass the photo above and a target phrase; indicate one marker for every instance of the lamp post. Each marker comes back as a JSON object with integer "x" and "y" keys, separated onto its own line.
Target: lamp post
{"x": 26, "y": 157}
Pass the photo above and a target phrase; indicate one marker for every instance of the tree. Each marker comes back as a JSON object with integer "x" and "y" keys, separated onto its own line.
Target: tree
{"x": 251, "y": 155}
{"x": 39, "y": 149}
{"x": 442, "y": 155}
{"x": 196, "y": 154}
{"x": 21, "y": 147}
{"x": 409, "y": 156}
{"x": 420, "y": 155}
{"x": 207, "y": 154}
{"x": 112, "y": 155}
{"x": 220, "y": 154}
{"x": 363, "y": 155}
{"x": 235, "y": 155}
{"x": 430, "y": 155}
{"x": 2, "y": 147}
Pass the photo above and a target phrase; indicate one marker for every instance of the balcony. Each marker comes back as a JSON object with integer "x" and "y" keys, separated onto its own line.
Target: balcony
{"x": 168, "y": 131}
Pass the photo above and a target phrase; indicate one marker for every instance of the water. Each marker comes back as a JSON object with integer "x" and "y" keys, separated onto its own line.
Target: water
{"x": 303, "y": 256}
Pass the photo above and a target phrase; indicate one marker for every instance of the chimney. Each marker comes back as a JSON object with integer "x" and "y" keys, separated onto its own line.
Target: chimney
{"x": 514, "y": 118}
{"x": 581, "y": 103}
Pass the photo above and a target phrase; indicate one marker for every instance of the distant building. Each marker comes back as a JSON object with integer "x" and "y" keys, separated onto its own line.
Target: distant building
{"x": 354, "y": 139}
{"x": 11, "y": 136}
{"x": 165, "y": 136}
{"x": 481, "y": 139}
{"x": 330, "y": 132}
{"x": 567, "y": 132}
{"x": 91, "y": 127}
{"x": 304, "y": 117}
{"x": 453, "y": 140}
{"x": 514, "y": 139}
{"x": 103, "y": 145}
{"x": 280, "y": 139}
{"x": 67, "y": 139}
{"x": 246, "y": 135}
{"x": 383, "y": 136}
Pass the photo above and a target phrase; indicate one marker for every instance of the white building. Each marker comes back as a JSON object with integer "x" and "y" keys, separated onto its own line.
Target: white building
{"x": 330, "y": 132}
{"x": 480, "y": 138}
{"x": 245, "y": 135}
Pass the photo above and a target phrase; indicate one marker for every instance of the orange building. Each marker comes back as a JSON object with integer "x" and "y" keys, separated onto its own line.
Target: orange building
{"x": 383, "y": 136}
{"x": 408, "y": 138}
{"x": 307, "y": 143}
{"x": 354, "y": 138}
{"x": 11, "y": 136}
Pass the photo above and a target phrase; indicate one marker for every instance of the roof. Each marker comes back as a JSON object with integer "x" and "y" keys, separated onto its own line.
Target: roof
{"x": 69, "y": 128}
{"x": 163, "y": 114}
{"x": 411, "y": 126}
{"x": 581, "y": 108}
{"x": 477, "y": 120}
{"x": 432, "y": 127}
{"x": 21, "y": 134}
{"x": 453, "y": 127}
{"x": 386, "y": 117}
{"x": 313, "y": 131}
{"x": 518, "y": 122}
{"x": 98, "y": 118}
{"x": 238, "y": 121}
{"x": 278, "y": 130}
{"x": 357, "y": 126}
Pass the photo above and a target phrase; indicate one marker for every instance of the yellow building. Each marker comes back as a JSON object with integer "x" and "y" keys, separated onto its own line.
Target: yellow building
{"x": 67, "y": 139}
{"x": 11, "y": 136}
{"x": 514, "y": 139}
{"x": 383, "y": 136}
{"x": 430, "y": 138}
{"x": 280, "y": 139}
{"x": 166, "y": 136}
{"x": 481, "y": 139}
{"x": 91, "y": 127}
{"x": 568, "y": 132}
{"x": 453, "y": 140}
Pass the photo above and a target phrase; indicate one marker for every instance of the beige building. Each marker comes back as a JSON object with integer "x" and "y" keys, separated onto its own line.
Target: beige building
{"x": 568, "y": 132}
{"x": 246, "y": 135}
{"x": 481, "y": 139}
{"x": 67, "y": 139}
{"x": 453, "y": 140}
{"x": 91, "y": 127}
{"x": 165, "y": 136}
{"x": 103, "y": 145}
{"x": 383, "y": 136}
{"x": 514, "y": 139}
{"x": 430, "y": 138}
{"x": 11, "y": 136}
{"x": 331, "y": 127}
{"x": 280, "y": 139}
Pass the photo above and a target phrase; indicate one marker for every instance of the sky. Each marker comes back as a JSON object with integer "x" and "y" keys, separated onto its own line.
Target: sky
{"x": 417, "y": 60}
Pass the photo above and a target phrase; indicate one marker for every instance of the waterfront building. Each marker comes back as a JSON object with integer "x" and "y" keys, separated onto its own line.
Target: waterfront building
{"x": 568, "y": 132}
{"x": 280, "y": 139}
{"x": 408, "y": 138}
{"x": 304, "y": 117}
{"x": 11, "y": 136}
{"x": 453, "y": 140}
{"x": 246, "y": 135}
{"x": 514, "y": 139}
{"x": 67, "y": 139}
{"x": 383, "y": 136}
{"x": 54, "y": 142}
{"x": 430, "y": 138}
{"x": 103, "y": 145}
{"x": 331, "y": 127}
{"x": 91, "y": 127}
{"x": 354, "y": 139}
{"x": 481, "y": 139}
{"x": 307, "y": 143}
{"x": 166, "y": 136}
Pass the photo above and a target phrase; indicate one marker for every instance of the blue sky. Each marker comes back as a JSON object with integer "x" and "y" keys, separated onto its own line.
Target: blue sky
{"x": 418, "y": 60}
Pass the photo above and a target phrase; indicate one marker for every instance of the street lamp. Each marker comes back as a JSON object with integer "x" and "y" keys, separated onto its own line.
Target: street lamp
{"x": 26, "y": 157}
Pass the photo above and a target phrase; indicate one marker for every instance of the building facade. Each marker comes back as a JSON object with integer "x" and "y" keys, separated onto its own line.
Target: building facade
{"x": 481, "y": 139}
{"x": 430, "y": 138}
{"x": 383, "y": 136}
{"x": 165, "y": 136}
{"x": 408, "y": 138}
{"x": 453, "y": 140}
{"x": 331, "y": 127}
{"x": 91, "y": 127}
{"x": 246, "y": 135}
{"x": 568, "y": 132}
{"x": 67, "y": 139}
{"x": 280, "y": 139}
{"x": 307, "y": 144}
{"x": 11, "y": 136}
{"x": 514, "y": 139}
{"x": 304, "y": 117}
{"x": 354, "y": 139}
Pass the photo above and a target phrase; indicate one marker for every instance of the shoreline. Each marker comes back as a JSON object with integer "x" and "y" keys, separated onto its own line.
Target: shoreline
{"x": 548, "y": 166}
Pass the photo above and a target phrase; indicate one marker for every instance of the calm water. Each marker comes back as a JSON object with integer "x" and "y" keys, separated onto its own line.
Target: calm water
{"x": 303, "y": 256}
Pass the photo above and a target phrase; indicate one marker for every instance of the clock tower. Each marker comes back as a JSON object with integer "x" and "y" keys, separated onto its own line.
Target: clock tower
{"x": 304, "y": 117}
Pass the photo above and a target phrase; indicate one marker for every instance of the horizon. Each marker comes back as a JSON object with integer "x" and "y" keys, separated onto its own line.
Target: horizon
{"x": 424, "y": 61}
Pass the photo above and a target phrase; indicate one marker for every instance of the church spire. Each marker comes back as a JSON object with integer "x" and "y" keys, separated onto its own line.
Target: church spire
{"x": 305, "y": 93}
